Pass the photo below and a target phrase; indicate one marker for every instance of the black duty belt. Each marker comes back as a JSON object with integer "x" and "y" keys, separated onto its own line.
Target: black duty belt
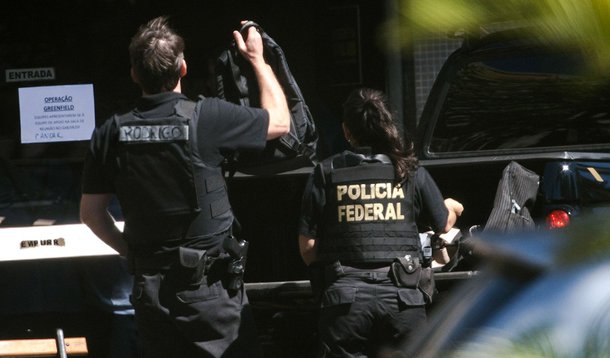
{"x": 367, "y": 266}
{"x": 182, "y": 257}
{"x": 192, "y": 265}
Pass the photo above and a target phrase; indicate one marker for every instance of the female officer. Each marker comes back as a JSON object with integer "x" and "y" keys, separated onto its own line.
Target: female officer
{"x": 359, "y": 214}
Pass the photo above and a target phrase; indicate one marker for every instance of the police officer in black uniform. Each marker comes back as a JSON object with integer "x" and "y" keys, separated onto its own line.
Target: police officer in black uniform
{"x": 359, "y": 236}
{"x": 162, "y": 160}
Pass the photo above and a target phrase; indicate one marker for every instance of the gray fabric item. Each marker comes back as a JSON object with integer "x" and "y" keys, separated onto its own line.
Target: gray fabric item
{"x": 515, "y": 196}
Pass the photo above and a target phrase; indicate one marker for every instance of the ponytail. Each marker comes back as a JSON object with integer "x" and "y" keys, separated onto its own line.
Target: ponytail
{"x": 370, "y": 122}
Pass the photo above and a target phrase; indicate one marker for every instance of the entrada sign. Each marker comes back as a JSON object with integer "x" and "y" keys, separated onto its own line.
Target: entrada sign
{"x": 30, "y": 74}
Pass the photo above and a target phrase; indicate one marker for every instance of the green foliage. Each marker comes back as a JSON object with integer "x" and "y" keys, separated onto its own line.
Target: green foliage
{"x": 590, "y": 240}
{"x": 582, "y": 23}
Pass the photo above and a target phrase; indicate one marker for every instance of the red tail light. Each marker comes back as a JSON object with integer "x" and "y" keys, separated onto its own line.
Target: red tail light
{"x": 557, "y": 219}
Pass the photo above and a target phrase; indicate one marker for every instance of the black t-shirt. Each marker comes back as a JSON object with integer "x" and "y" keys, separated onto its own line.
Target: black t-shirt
{"x": 428, "y": 202}
{"x": 221, "y": 127}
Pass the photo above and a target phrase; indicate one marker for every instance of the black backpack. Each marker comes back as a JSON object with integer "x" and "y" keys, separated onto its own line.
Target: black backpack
{"x": 236, "y": 83}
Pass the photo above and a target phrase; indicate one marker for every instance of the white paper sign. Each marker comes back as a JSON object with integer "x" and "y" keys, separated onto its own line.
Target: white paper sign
{"x": 56, "y": 113}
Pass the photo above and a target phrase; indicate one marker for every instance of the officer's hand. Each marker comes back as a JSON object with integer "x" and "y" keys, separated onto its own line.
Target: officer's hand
{"x": 251, "y": 47}
{"x": 454, "y": 209}
{"x": 454, "y": 206}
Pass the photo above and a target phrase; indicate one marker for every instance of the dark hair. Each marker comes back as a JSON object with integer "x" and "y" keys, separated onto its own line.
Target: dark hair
{"x": 370, "y": 123}
{"x": 156, "y": 52}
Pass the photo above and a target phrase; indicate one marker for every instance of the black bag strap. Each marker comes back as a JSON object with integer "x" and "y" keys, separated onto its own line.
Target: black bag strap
{"x": 239, "y": 79}
{"x": 236, "y": 82}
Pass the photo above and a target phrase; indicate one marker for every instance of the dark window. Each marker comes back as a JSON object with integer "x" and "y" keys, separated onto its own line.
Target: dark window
{"x": 594, "y": 182}
{"x": 43, "y": 193}
{"x": 523, "y": 100}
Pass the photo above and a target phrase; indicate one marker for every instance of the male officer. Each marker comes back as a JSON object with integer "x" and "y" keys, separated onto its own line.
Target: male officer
{"x": 162, "y": 161}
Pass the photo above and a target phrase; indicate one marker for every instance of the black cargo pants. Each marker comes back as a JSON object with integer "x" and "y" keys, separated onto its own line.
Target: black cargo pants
{"x": 363, "y": 312}
{"x": 179, "y": 319}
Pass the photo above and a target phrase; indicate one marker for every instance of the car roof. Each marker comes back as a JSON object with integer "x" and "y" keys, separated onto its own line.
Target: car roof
{"x": 564, "y": 313}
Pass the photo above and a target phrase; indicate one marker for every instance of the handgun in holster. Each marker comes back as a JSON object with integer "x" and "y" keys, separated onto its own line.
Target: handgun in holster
{"x": 238, "y": 251}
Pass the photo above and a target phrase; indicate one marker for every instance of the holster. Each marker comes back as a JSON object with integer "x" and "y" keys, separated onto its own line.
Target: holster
{"x": 408, "y": 272}
{"x": 238, "y": 251}
{"x": 427, "y": 285}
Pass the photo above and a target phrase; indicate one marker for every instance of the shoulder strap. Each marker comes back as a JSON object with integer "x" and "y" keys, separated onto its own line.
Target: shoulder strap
{"x": 186, "y": 108}
{"x": 183, "y": 108}
{"x": 189, "y": 109}
{"x": 118, "y": 117}
{"x": 350, "y": 159}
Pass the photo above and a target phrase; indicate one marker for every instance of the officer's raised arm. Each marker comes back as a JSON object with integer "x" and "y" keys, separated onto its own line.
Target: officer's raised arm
{"x": 273, "y": 98}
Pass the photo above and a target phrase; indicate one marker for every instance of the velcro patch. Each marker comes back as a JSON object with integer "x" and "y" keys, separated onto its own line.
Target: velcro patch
{"x": 154, "y": 133}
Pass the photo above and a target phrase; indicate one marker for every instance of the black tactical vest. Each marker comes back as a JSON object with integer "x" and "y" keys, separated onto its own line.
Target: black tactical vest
{"x": 367, "y": 218}
{"x": 165, "y": 190}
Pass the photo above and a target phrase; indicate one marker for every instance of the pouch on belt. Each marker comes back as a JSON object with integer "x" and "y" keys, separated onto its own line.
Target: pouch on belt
{"x": 408, "y": 272}
{"x": 191, "y": 268}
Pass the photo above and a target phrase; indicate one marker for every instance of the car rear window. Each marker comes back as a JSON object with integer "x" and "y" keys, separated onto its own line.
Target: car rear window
{"x": 518, "y": 100}
{"x": 594, "y": 182}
